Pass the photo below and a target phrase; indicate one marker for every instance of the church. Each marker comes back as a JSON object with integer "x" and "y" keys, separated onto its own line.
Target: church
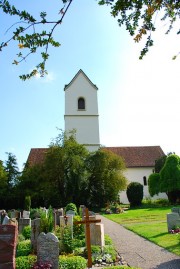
{"x": 81, "y": 114}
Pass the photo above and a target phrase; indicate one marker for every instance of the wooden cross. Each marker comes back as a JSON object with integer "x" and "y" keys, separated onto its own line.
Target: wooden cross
{"x": 87, "y": 222}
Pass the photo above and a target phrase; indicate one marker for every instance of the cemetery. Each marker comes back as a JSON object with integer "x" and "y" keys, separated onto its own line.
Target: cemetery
{"x": 55, "y": 238}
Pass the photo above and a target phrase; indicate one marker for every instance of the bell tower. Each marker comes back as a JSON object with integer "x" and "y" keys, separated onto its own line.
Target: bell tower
{"x": 81, "y": 110}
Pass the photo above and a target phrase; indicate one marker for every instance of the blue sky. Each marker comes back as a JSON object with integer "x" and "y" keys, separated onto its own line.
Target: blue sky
{"x": 138, "y": 100}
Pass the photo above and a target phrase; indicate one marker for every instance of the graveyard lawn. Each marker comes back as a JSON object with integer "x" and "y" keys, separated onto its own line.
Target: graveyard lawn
{"x": 150, "y": 223}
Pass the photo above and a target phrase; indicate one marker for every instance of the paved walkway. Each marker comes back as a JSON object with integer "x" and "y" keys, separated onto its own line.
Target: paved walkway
{"x": 137, "y": 251}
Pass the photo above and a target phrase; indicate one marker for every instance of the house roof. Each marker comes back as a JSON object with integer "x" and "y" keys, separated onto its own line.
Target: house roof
{"x": 133, "y": 156}
{"x": 138, "y": 156}
{"x": 80, "y": 72}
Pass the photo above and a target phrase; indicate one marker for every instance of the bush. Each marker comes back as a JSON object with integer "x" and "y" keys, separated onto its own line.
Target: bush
{"x": 26, "y": 232}
{"x": 47, "y": 223}
{"x": 25, "y": 262}
{"x": 78, "y": 229}
{"x": 23, "y": 248}
{"x": 72, "y": 262}
{"x": 135, "y": 193}
{"x": 71, "y": 206}
{"x": 108, "y": 240}
{"x": 27, "y": 203}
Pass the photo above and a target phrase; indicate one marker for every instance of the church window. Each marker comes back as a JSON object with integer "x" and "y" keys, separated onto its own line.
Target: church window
{"x": 145, "y": 181}
{"x": 81, "y": 103}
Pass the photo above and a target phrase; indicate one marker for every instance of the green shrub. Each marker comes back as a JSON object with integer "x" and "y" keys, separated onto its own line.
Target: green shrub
{"x": 108, "y": 240}
{"x": 26, "y": 232}
{"x": 135, "y": 193}
{"x": 71, "y": 206}
{"x": 25, "y": 262}
{"x": 20, "y": 238}
{"x": 47, "y": 223}
{"x": 111, "y": 251}
{"x": 27, "y": 203}
{"x": 23, "y": 248}
{"x": 72, "y": 262}
{"x": 78, "y": 229}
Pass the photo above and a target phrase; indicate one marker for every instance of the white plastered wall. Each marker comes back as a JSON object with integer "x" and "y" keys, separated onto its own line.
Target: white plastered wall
{"x": 136, "y": 175}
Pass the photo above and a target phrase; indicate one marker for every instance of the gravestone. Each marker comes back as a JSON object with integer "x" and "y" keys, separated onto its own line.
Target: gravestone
{"x": 65, "y": 221}
{"x": 173, "y": 218}
{"x": 48, "y": 249}
{"x": 23, "y": 223}
{"x": 8, "y": 239}
{"x": 25, "y": 214}
{"x": 70, "y": 213}
{"x": 97, "y": 233}
{"x": 35, "y": 231}
{"x": 59, "y": 213}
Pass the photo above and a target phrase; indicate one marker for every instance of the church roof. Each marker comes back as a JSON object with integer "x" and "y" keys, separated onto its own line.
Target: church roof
{"x": 36, "y": 156}
{"x": 138, "y": 156}
{"x": 133, "y": 156}
{"x": 78, "y": 73}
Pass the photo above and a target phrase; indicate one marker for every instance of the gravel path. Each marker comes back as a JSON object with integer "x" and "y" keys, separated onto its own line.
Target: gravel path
{"x": 137, "y": 251}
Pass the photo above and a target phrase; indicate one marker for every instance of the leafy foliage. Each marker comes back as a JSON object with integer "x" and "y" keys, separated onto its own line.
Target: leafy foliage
{"x": 135, "y": 193}
{"x": 25, "y": 262}
{"x": 71, "y": 262}
{"x": 105, "y": 177}
{"x": 29, "y": 39}
{"x": 170, "y": 177}
{"x": 71, "y": 206}
{"x": 140, "y": 16}
{"x": 23, "y": 248}
{"x": 47, "y": 222}
{"x": 153, "y": 183}
{"x": 26, "y": 232}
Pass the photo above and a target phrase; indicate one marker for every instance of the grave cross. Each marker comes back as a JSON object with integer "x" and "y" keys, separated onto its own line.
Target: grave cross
{"x": 87, "y": 222}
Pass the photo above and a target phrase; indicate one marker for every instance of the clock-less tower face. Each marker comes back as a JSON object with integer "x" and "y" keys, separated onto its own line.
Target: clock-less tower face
{"x": 81, "y": 110}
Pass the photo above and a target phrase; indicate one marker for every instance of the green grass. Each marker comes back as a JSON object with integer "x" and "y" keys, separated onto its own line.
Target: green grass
{"x": 151, "y": 224}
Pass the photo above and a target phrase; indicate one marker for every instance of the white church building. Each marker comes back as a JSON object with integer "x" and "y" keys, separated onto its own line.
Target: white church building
{"x": 81, "y": 114}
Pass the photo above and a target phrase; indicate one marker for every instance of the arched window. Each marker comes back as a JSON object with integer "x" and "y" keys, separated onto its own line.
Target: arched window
{"x": 145, "y": 181}
{"x": 81, "y": 103}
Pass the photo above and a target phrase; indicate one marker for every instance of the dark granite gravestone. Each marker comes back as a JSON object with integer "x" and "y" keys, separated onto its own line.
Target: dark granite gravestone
{"x": 8, "y": 239}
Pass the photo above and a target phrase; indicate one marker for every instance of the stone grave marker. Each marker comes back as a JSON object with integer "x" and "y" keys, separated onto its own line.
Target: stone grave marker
{"x": 70, "y": 213}
{"x": 48, "y": 249}
{"x": 97, "y": 233}
{"x": 59, "y": 212}
{"x": 8, "y": 239}
{"x": 173, "y": 219}
{"x": 23, "y": 223}
{"x": 67, "y": 220}
{"x": 35, "y": 231}
{"x": 25, "y": 214}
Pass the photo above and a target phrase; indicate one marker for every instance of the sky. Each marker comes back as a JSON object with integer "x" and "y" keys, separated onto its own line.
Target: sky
{"x": 139, "y": 100}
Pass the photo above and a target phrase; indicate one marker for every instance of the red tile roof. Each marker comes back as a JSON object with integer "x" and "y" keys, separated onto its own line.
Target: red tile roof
{"x": 133, "y": 156}
{"x": 36, "y": 156}
{"x": 138, "y": 156}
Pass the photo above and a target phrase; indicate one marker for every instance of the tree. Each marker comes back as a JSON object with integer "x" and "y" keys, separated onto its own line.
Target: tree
{"x": 12, "y": 170}
{"x": 139, "y": 17}
{"x": 135, "y": 193}
{"x": 106, "y": 177}
{"x": 154, "y": 184}
{"x": 3, "y": 185}
{"x": 170, "y": 178}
